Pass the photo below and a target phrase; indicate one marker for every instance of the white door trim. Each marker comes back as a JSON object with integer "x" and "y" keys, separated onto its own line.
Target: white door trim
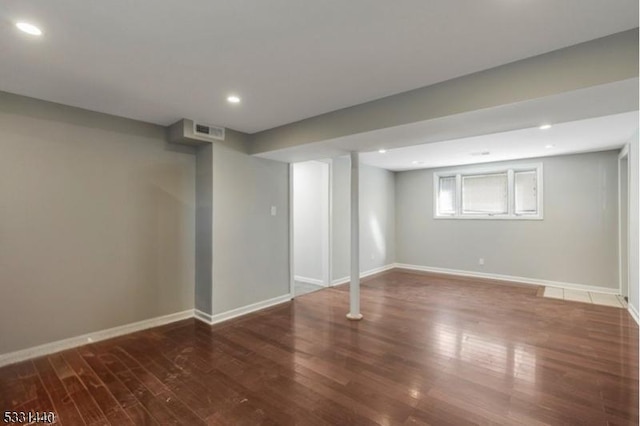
{"x": 292, "y": 279}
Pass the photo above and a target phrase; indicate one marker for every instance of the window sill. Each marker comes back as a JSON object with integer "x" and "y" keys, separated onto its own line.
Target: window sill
{"x": 539, "y": 217}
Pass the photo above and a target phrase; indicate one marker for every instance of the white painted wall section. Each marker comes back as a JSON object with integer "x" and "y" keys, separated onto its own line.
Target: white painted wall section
{"x": 311, "y": 221}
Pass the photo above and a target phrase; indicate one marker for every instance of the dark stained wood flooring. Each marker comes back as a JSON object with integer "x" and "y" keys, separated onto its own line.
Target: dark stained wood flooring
{"x": 431, "y": 350}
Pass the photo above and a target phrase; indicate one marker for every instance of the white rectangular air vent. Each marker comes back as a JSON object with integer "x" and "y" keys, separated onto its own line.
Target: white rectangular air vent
{"x": 188, "y": 132}
{"x": 208, "y": 131}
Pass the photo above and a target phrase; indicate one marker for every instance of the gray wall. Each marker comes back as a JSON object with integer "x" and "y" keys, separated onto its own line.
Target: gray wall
{"x": 204, "y": 224}
{"x": 97, "y": 224}
{"x": 310, "y": 220}
{"x": 634, "y": 228}
{"x": 575, "y": 243}
{"x": 377, "y": 218}
{"x": 250, "y": 246}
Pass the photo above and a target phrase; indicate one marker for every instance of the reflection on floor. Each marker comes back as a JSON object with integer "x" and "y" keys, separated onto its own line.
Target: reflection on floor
{"x": 585, "y": 297}
{"x": 431, "y": 349}
{"x": 304, "y": 288}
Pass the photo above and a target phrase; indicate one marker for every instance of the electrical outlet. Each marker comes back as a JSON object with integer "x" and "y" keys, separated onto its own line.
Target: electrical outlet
{"x": 481, "y": 261}
{"x": 274, "y": 211}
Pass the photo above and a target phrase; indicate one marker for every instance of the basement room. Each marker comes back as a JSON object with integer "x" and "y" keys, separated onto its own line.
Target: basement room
{"x": 322, "y": 213}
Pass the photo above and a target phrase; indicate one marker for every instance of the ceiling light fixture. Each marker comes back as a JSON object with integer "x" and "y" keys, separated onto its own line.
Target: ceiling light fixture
{"x": 382, "y": 151}
{"x": 233, "y": 99}
{"x": 549, "y": 146}
{"x": 417, "y": 162}
{"x": 545, "y": 127}
{"x": 29, "y": 28}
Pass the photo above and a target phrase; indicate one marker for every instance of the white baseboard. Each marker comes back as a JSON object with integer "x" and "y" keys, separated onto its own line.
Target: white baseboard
{"x": 633, "y": 312}
{"x": 342, "y": 280}
{"x": 500, "y": 277}
{"x": 364, "y": 274}
{"x": 73, "y": 342}
{"x": 224, "y": 316}
{"x": 309, "y": 280}
{"x": 202, "y": 316}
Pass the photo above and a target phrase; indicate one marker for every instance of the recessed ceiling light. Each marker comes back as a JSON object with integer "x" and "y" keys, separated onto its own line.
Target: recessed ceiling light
{"x": 417, "y": 162}
{"x": 545, "y": 127}
{"x": 549, "y": 146}
{"x": 480, "y": 153}
{"x": 29, "y": 28}
{"x": 233, "y": 99}
{"x": 382, "y": 151}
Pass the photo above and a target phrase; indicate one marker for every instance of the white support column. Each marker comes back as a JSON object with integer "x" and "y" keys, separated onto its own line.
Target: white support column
{"x": 354, "y": 286}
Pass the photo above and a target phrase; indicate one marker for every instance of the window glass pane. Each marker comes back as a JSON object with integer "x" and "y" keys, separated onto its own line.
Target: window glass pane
{"x": 447, "y": 195}
{"x": 485, "y": 194}
{"x": 526, "y": 192}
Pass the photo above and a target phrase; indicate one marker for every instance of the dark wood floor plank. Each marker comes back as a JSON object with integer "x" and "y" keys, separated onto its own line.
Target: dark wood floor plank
{"x": 41, "y": 401}
{"x": 87, "y": 406}
{"x": 164, "y": 404}
{"x": 63, "y": 404}
{"x": 203, "y": 396}
{"x": 120, "y": 392}
{"x": 110, "y": 407}
{"x": 23, "y": 381}
{"x": 140, "y": 416}
{"x": 12, "y": 391}
{"x": 432, "y": 349}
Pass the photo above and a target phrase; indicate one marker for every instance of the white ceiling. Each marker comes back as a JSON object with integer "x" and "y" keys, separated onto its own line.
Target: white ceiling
{"x": 594, "y": 134}
{"x": 162, "y": 60}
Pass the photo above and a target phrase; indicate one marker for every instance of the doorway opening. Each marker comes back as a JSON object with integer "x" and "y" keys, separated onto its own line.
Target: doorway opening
{"x": 310, "y": 226}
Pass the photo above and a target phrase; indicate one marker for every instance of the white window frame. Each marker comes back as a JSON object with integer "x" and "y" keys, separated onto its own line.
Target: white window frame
{"x": 510, "y": 169}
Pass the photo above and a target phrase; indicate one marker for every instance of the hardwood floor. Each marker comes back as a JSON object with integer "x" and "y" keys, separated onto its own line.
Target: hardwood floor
{"x": 430, "y": 350}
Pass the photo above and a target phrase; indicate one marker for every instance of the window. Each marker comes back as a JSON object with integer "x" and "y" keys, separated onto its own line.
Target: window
{"x": 485, "y": 194}
{"x": 489, "y": 193}
{"x": 447, "y": 195}
{"x": 526, "y": 192}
